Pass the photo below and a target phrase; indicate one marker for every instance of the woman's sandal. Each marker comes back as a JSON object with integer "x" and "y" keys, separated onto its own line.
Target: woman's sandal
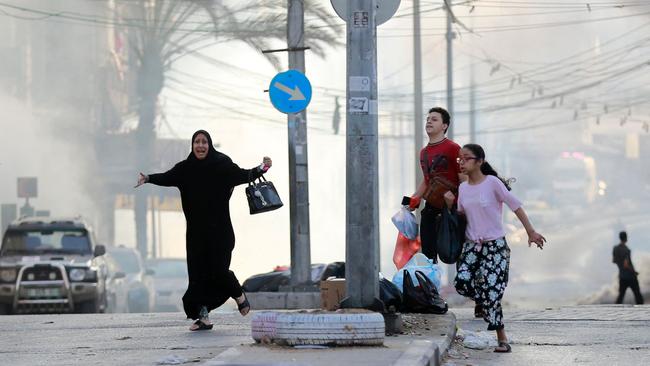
{"x": 503, "y": 347}
{"x": 244, "y": 304}
{"x": 201, "y": 326}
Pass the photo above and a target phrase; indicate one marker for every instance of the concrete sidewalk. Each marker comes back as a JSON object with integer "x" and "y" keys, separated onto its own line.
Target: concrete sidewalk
{"x": 425, "y": 340}
{"x": 164, "y": 339}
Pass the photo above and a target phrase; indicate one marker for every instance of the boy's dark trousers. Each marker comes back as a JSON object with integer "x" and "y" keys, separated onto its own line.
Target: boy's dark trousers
{"x": 623, "y": 284}
{"x": 429, "y": 231}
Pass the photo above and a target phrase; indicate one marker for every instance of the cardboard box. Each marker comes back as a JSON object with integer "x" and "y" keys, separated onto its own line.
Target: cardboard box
{"x": 332, "y": 291}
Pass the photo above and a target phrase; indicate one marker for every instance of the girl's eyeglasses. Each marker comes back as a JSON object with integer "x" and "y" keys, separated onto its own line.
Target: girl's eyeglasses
{"x": 464, "y": 160}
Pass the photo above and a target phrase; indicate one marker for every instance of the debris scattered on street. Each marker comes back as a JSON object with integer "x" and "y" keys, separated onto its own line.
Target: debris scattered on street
{"x": 171, "y": 360}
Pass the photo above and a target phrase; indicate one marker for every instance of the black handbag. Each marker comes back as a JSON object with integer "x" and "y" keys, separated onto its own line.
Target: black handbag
{"x": 262, "y": 196}
{"x": 424, "y": 298}
{"x": 451, "y": 235}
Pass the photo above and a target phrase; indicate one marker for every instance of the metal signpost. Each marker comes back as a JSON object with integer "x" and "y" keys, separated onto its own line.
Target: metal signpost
{"x": 290, "y": 93}
{"x": 362, "y": 195}
{"x": 27, "y": 188}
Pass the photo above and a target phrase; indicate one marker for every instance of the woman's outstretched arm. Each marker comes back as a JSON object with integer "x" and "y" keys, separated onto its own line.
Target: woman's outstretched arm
{"x": 239, "y": 176}
{"x": 169, "y": 178}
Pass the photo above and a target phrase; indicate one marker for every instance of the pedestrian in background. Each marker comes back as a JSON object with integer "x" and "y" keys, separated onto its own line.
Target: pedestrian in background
{"x": 439, "y": 157}
{"x": 482, "y": 270}
{"x": 206, "y": 180}
{"x": 627, "y": 275}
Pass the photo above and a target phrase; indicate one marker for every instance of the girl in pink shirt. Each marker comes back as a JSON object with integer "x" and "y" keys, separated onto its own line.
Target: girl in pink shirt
{"x": 485, "y": 260}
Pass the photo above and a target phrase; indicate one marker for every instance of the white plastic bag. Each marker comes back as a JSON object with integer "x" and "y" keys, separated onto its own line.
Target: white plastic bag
{"x": 477, "y": 340}
{"x": 405, "y": 222}
{"x": 419, "y": 262}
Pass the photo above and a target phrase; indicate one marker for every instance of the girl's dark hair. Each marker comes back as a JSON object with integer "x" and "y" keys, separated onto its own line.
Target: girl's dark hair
{"x": 486, "y": 168}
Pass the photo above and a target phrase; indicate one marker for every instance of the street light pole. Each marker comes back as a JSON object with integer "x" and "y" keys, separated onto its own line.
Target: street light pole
{"x": 451, "y": 269}
{"x": 362, "y": 197}
{"x": 298, "y": 182}
{"x": 450, "y": 65}
{"x": 417, "y": 86}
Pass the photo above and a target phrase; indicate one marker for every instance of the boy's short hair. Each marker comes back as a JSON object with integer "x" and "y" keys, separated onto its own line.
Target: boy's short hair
{"x": 622, "y": 235}
{"x": 446, "y": 119}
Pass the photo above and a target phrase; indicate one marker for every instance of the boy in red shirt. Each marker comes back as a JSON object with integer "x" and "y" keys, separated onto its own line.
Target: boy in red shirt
{"x": 439, "y": 157}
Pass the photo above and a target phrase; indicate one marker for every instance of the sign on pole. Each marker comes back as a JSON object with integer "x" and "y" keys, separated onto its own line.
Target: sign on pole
{"x": 385, "y": 9}
{"x": 27, "y": 187}
{"x": 290, "y": 91}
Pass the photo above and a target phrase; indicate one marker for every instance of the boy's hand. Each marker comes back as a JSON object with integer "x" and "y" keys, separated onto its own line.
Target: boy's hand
{"x": 414, "y": 203}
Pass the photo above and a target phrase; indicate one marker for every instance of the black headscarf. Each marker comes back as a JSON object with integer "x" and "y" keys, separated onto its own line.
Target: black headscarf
{"x": 212, "y": 153}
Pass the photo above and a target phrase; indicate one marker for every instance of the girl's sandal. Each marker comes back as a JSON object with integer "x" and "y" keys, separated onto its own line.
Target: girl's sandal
{"x": 199, "y": 325}
{"x": 245, "y": 305}
{"x": 503, "y": 347}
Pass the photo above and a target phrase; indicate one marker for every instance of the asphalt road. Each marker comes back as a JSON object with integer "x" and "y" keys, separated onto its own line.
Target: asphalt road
{"x": 582, "y": 335}
{"x": 577, "y": 260}
{"x": 113, "y": 339}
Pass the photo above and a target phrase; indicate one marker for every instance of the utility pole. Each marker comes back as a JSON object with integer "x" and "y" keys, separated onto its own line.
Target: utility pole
{"x": 472, "y": 105}
{"x": 417, "y": 85}
{"x": 362, "y": 198}
{"x": 298, "y": 182}
{"x": 451, "y": 269}
{"x": 472, "y": 100}
{"x": 450, "y": 76}
{"x": 154, "y": 231}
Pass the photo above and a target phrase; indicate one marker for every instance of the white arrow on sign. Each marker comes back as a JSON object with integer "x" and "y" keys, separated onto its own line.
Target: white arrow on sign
{"x": 295, "y": 93}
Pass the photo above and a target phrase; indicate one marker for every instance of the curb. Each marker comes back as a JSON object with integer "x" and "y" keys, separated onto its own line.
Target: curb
{"x": 426, "y": 352}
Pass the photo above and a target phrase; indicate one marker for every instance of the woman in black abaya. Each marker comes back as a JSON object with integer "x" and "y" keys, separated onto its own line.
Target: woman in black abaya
{"x": 206, "y": 180}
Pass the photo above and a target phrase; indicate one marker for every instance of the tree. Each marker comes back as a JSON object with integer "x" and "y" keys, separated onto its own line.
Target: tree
{"x": 162, "y": 31}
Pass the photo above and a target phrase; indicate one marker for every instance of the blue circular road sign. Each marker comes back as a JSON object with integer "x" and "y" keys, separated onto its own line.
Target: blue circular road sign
{"x": 290, "y": 91}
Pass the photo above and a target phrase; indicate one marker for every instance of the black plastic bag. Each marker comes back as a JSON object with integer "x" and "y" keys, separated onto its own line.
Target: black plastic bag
{"x": 267, "y": 282}
{"x": 390, "y": 295}
{"x": 451, "y": 235}
{"x": 424, "y": 298}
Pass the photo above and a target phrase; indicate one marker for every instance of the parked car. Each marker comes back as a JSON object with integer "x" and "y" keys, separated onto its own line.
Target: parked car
{"x": 170, "y": 282}
{"x": 51, "y": 265}
{"x": 131, "y": 284}
{"x": 117, "y": 287}
{"x": 281, "y": 276}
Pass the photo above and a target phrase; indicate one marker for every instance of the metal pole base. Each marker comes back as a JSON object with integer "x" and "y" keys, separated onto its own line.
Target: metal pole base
{"x": 393, "y": 322}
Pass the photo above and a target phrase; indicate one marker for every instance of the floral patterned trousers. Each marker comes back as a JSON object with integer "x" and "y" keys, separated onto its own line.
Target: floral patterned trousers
{"x": 482, "y": 275}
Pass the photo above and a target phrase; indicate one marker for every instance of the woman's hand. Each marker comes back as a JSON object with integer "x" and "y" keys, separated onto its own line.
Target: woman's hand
{"x": 142, "y": 180}
{"x": 537, "y": 238}
{"x": 267, "y": 163}
{"x": 449, "y": 198}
